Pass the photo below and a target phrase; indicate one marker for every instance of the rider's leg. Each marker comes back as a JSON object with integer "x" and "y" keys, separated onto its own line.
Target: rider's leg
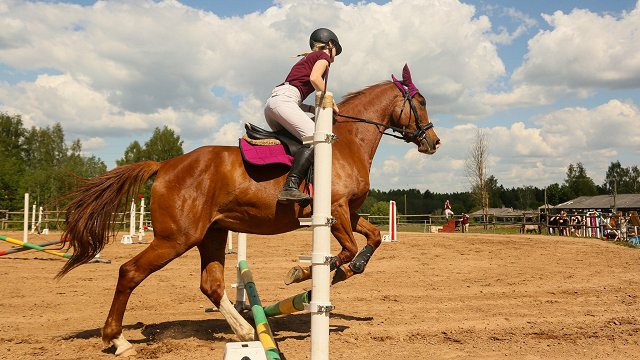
{"x": 290, "y": 190}
{"x": 284, "y": 110}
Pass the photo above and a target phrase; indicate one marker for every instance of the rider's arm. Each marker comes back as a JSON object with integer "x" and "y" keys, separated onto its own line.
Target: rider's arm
{"x": 316, "y": 78}
{"x": 316, "y": 74}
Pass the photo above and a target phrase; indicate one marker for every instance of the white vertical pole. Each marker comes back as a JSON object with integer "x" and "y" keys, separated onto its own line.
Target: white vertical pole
{"x": 321, "y": 219}
{"x": 132, "y": 218}
{"x": 40, "y": 220}
{"x": 33, "y": 218}
{"x": 242, "y": 255}
{"x": 25, "y": 231}
{"x": 141, "y": 228}
{"x": 230, "y": 242}
{"x": 392, "y": 221}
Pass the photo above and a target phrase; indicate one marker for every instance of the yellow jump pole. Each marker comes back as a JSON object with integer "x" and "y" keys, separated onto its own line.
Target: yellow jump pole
{"x": 34, "y": 247}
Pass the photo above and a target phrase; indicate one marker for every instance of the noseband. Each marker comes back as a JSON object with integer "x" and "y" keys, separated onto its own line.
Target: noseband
{"x": 421, "y": 131}
{"x": 408, "y": 92}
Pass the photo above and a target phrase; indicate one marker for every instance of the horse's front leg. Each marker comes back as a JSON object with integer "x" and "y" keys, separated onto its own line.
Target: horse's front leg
{"x": 358, "y": 263}
{"x": 342, "y": 230}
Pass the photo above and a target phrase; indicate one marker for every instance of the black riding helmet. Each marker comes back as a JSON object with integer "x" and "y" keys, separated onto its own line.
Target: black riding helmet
{"x": 323, "y": 35}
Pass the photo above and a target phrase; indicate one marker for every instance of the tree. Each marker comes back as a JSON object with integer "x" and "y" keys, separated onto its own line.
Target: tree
{"x": 476, "y": 170}
{"x": 12, "y": 167}
{"x": 578, "y": 182}
{"x": 381, "y": 208}
{"x": 133, "y": 154}
{"x": 164, "y": 144}
{"x": 494, "y": 190}
{"x": 622, "y": 180}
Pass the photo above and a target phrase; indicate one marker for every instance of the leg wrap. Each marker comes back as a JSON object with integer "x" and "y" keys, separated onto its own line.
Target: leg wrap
{"x": 361, "y": 260}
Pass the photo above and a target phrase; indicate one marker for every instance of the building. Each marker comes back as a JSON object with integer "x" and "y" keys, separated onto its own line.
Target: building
{"x": 600, "y": 203}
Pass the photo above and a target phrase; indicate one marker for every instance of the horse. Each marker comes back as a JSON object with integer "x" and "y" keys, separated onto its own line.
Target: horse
{"x": 530, "y": 228}
{"x": 199, "y": 196}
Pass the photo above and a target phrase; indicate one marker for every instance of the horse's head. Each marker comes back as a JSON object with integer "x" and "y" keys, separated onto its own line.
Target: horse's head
{"x": 410, "y": 117}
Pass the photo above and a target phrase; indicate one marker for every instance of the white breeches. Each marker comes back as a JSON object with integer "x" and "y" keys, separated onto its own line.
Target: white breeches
{"x": 284, "y": 109}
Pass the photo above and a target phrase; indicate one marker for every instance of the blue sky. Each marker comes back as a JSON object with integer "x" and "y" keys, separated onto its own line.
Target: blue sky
{"x": 550, "y": 82}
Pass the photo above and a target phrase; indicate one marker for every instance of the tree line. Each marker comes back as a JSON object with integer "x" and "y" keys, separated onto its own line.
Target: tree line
{"x": 41, "y": 162}
{"x": 618, "y": 179}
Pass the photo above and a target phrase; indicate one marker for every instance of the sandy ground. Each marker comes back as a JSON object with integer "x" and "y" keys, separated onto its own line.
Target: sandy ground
{"x": 430, "y": 296}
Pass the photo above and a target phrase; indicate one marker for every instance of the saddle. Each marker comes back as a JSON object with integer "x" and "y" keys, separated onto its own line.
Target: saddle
{"x": 264, "y": 147}
{"x": 290, "y": 142}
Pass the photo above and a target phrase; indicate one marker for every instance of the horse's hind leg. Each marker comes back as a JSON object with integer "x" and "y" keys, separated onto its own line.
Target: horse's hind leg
{"x": 212, "y": 252}
{"x": 159, "y": 253}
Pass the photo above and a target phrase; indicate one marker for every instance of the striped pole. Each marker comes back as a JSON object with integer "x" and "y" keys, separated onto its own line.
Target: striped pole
{"x": 392, "y": 222}
{"x": 34, "y": 247}
{"x": 288, "y": 306}
{"x": 24, "y": 248}
{"x": 262, "y": 325}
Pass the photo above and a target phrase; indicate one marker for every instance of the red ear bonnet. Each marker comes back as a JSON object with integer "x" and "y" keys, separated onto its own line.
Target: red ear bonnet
{"x": 406, "y": 86}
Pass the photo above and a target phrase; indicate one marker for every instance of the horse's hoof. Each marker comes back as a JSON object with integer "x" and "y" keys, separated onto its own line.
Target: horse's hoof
{"x": 123, "y": 347}
{"x": 297, "y": 274}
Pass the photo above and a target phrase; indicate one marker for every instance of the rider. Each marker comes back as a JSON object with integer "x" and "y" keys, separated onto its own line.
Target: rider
{"x": 284, "y": 109}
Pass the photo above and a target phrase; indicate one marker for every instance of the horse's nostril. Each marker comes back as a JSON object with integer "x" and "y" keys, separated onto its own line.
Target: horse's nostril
{"x": 437, "y": 143}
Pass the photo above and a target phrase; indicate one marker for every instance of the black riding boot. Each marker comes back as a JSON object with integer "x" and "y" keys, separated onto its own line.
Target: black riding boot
{"x": 301, "y": 162}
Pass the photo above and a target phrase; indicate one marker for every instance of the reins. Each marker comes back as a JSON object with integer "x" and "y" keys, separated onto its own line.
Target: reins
{"x": 420, "y": 131}
{"x": 385, "y": 126}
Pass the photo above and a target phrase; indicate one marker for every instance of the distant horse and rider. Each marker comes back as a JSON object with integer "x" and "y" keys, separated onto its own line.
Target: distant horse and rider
{"x": 199, "y": 196}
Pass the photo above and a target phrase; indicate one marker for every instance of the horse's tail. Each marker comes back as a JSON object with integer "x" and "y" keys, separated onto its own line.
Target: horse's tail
{"x": 91, "y": 213}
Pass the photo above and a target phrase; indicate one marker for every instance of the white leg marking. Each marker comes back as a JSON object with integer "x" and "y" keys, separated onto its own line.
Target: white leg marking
{"x": 239, "y": 325}
{"x": 123, "y": 347}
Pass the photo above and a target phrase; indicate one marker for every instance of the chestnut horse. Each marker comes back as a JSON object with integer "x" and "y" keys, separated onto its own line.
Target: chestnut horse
{"x": 199, "y": 196}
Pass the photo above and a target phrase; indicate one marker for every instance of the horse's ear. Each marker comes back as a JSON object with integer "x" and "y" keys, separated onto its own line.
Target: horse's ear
{"x": 406, "y": 75}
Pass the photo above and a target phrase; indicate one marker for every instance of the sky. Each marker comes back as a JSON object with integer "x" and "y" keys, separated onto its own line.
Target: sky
{"x": 549, "y": 82}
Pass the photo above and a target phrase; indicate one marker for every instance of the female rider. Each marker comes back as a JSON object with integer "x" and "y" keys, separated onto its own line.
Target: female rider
{"x": 284, "y": 109}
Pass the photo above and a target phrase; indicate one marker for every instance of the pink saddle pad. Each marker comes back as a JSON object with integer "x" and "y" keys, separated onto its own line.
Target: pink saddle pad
{"x": 264, "y": 154}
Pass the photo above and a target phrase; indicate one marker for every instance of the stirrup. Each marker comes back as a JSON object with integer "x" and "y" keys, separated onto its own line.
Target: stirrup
{"x": 292, "y": 195}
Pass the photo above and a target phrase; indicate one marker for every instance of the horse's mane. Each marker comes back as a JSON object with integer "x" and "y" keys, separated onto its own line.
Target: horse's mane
{"x": 353, "y": 95}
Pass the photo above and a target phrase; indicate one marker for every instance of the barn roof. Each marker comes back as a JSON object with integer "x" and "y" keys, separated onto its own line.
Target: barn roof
{"x": 500, "y": 212}
{"x": 623, "y": 201}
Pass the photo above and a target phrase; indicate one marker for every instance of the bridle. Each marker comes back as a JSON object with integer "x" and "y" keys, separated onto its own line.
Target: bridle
{"x": 421, "y": 131}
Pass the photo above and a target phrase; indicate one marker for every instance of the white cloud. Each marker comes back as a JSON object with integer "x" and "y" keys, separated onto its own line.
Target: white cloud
{"x": 588, "y": 51}
{"x": 527, "y": 155}
{"x": 117, "y": 69}
{"x": 582, "y": 52}
{"x": 228, "y": 134}
{"x": 135, "y": 57}
{"x": 93, "y": 143}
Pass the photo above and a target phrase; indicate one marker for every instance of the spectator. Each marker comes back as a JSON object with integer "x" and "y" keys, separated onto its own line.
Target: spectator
{"x": 465, "y": 223}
